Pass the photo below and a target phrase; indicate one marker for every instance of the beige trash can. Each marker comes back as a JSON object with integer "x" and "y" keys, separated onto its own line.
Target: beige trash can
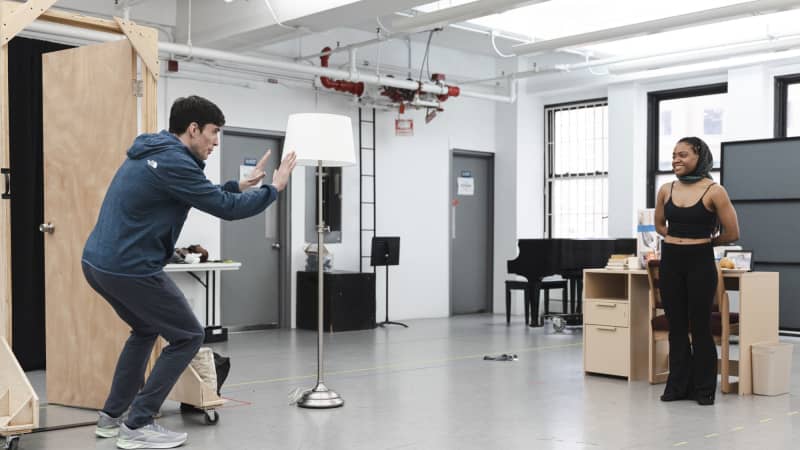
{"x": 772, "y": 367}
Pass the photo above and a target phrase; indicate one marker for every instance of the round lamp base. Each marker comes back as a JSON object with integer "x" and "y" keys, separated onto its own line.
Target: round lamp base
{"x": 320, "y": 398}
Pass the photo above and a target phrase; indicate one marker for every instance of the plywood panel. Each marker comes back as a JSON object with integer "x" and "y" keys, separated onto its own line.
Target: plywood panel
{"x": 89, "y": 122}
{"x": 19, "y": 403}
{"x": 758, "y": 307}
{"x": 5, "y": 205}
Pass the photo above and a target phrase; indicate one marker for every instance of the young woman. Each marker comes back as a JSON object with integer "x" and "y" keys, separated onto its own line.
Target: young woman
{"x": 689, "y": 214}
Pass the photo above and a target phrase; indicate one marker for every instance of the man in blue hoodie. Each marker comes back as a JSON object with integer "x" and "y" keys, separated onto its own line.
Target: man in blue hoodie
{"x": 140, "y": 220}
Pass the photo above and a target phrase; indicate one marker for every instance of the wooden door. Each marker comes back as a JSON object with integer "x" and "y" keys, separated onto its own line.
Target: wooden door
{"x": 90, "y": 120}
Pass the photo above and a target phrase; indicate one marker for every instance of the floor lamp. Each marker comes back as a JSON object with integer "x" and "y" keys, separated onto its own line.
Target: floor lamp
{"x": 321, "y": 140}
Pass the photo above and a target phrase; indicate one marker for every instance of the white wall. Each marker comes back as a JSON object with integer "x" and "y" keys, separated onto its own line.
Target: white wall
{"x": 412, "y": 186}
{"x": 412, "y": 183}
{"x": 748, "y": 115}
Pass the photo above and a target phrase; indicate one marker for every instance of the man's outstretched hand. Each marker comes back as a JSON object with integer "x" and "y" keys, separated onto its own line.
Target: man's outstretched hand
{"x": 256, "y": 175}
{"x": 280, "y": 177}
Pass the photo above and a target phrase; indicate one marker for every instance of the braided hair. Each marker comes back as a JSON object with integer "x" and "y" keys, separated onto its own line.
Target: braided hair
{"x": 705, "y": 160}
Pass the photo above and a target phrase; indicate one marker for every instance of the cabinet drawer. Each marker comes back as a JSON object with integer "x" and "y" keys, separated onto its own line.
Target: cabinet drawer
{"x": 605, "y": 312}
{"x": 606, "y": 350}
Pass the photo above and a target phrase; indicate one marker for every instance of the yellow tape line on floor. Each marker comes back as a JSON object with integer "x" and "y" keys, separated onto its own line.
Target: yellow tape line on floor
{"x": 396, "y": 366}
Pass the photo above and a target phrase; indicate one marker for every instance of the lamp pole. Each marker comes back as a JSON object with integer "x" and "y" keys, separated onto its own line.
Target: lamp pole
{"x": 320, "y": 397}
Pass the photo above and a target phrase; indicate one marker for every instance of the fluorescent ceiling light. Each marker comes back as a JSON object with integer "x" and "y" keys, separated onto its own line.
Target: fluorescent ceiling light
{"x": 288, "y": 10}
{"x": 460, "y": 12}
{"x": 559, "y": 18}
{"x": 442, "y": 4}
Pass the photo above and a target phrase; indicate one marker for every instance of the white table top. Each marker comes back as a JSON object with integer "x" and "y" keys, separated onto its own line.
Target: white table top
{"x": 200, "y": 267}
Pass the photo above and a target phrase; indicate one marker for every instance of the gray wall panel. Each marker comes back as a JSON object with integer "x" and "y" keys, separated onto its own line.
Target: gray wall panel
{"x": 758, "y": 175}
{"x": 769, "y": 229}
{"x": 758, "y": 170}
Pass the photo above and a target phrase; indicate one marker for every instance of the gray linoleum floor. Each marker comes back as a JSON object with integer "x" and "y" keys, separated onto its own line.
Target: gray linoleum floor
{"x": 428, "y": 387}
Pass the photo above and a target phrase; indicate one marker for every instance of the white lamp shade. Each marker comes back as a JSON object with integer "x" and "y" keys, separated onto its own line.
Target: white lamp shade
{"x": 319, "y": 137}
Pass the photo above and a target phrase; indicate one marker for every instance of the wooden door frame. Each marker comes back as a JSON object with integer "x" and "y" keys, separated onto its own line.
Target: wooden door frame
{"x": 14, "y": 17}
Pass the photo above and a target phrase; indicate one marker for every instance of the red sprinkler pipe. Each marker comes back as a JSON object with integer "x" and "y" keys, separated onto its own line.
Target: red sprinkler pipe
{"x": 340, "y": 85}
{"x": 452, "y": 91}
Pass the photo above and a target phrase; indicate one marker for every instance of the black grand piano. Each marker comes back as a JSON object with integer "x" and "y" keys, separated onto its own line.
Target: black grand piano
{"x": 539, "y": 258}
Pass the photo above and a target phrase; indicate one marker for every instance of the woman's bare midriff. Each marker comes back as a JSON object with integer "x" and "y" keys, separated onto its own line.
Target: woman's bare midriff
{"x": 686, "y": 241}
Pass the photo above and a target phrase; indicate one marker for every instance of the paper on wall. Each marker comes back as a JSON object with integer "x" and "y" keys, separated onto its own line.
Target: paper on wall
{"x": 466, "y": 186}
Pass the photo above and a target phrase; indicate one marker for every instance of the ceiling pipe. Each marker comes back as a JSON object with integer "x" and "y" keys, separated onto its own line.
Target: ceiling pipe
{"x": 627, "y": 64}
{"x": 355, "y": 88}
{"x": 720, "y": 52}
{"x": 458, "y": 13}
{"x": 697, "y": 69}
{"x": 510, "y": 98}
{"x": 49, "y": 28}
{"x": 658, "y": 26}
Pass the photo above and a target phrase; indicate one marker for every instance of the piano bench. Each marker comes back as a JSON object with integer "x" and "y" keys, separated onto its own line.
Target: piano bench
{"x": 545, "y": 286}
{"x": 517, "y": 285}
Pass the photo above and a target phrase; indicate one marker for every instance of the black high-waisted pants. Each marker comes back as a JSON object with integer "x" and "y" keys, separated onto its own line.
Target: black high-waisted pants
{"x": 688, "y": 282}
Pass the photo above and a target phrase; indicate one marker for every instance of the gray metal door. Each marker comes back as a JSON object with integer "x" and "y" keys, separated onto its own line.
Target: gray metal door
{"x": 250, "y": 297}
{"x": 471, "y": 245}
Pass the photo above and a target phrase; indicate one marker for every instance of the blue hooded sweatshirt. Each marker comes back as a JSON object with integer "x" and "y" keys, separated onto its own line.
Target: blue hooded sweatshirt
{"x": 148, "y": 201}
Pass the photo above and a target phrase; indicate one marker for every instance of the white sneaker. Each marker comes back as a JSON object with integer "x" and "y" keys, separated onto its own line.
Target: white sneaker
{"x": 108, "y": 426}
{"x": 149, "y": 436}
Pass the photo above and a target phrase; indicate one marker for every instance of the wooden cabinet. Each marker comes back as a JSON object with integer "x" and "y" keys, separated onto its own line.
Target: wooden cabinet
{"x": 616, "y": 320}
{"x": 606, "y": 349}
{"x": 614, "y": 334}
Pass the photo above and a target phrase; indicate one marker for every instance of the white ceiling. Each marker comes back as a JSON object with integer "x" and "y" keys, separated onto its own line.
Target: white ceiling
{"x": 247, "y": 26}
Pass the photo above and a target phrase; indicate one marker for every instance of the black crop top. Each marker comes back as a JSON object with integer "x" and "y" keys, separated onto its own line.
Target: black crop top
{"x": 692, "y": 221}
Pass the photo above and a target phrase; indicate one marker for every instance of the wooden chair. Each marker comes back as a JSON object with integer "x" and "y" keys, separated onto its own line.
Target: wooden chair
{"x": 723, "y": 325}
{"x": 658, "y": 348}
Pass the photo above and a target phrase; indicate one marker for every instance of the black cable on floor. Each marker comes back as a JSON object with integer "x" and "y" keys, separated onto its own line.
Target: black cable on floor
{"x": 64, "y": 427}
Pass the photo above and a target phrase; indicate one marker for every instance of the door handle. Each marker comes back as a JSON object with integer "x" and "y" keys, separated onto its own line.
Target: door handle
{"x": 453, "y": 222}
{"x": 276, "y": 245}
{"x": 7, "y": 176}
{"x": 47, "y": 228}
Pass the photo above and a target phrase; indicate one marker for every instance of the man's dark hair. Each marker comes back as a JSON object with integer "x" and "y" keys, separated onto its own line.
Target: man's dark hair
{"x": 190, "y": 109}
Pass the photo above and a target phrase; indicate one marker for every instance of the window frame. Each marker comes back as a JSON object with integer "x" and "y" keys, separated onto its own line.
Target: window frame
{"x": 548, "y": 164}
{"x": 653, "y": 123}
{"x": 781, "y": 105}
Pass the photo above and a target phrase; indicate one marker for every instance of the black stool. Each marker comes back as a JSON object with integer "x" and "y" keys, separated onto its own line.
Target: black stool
{"x": 533, "y": 319}
{"x": 521, "y": 285}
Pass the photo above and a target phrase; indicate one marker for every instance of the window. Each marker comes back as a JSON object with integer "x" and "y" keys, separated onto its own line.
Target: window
{"x": 787, "y": 106}
{"x": 672, "y": 115}
{"x": 576, "y": 170}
